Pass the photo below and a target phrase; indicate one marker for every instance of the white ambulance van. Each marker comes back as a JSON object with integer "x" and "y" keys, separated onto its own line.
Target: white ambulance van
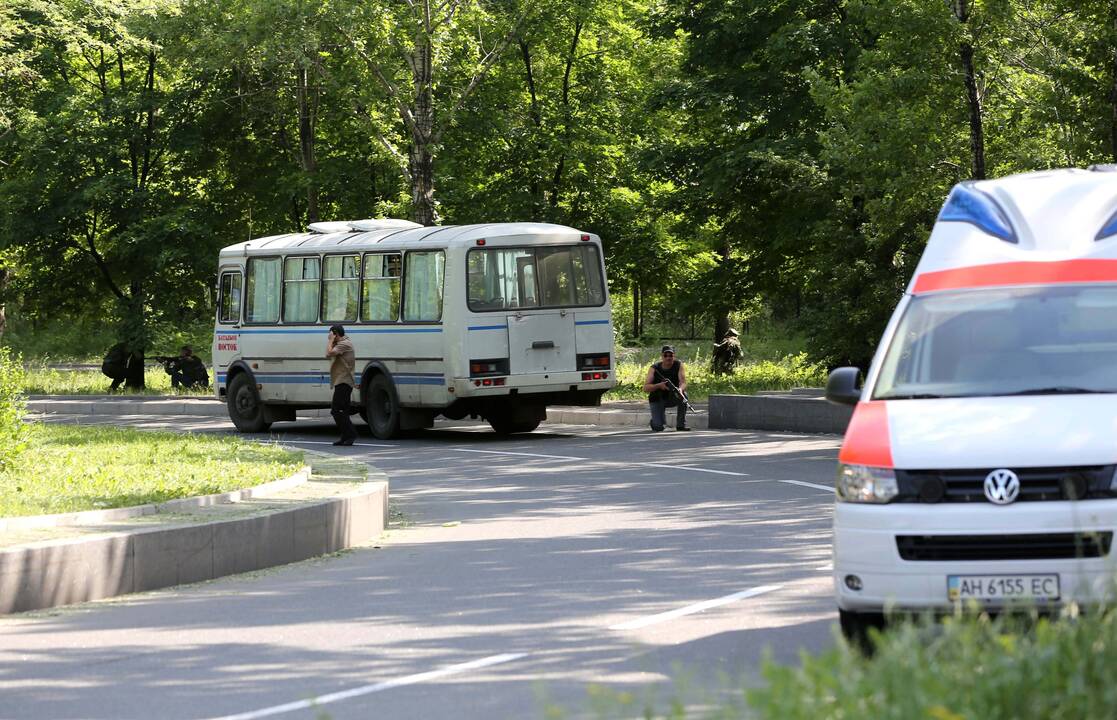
{"x": 979, "y": 465}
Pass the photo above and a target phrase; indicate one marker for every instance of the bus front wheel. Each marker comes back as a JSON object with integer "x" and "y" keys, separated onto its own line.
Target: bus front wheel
{"x": 245, "y": 409}
{"x": 382, "y": 408}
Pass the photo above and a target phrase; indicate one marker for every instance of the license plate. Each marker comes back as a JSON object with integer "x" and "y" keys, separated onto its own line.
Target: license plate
{"x": 1001, "y": 588}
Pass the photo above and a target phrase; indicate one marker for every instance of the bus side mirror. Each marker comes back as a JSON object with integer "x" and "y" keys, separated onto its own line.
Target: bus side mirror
{"x": 842, "y": 388}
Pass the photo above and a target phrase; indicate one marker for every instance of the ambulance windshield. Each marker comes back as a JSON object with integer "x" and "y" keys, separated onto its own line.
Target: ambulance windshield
{"x": 1057, "y": 339}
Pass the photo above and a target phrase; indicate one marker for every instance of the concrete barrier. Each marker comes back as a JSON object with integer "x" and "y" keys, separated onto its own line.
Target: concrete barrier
{"x": 60, "y": 572}
{"x": 804, "y": 412}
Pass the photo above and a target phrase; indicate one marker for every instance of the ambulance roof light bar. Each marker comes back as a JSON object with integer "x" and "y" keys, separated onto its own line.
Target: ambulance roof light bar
{"x": 969, "y": 205}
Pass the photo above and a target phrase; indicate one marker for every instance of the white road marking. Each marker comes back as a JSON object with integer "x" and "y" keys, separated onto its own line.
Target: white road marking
{"x": 695, "y": 608}
{"x": 605, "y": 462}
{"x": 323, "y": 442}
{"x": 377, "y": 687}
{"x": 519, "y": 454}
{"x": 695, "y": 469}
{"x": 816, "y": 486}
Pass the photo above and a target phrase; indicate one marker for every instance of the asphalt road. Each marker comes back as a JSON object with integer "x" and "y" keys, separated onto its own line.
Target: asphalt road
{"x": 525, "y": 572}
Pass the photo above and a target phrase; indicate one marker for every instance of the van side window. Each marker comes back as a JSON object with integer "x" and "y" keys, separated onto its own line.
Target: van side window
{"x": 380, "y": 289}
{"x": 229, "y": 304}
{"x": 340, "y": 278}
{"x": 262, "y": 301}
{"x": 300, "y": 290}
{"x": 423, "y": 286}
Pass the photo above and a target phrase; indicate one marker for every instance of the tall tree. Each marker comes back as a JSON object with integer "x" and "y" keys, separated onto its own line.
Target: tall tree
{"x": 98, "y": 183}
{"x": 427, "y": 57}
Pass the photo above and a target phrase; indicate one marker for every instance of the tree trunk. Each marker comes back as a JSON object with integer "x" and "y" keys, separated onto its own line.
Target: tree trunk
{"x": 4, "y": 276}
{"x": 635, "y": 310}
{"x": 973, "y": 97}
{"x": 534, "y": 188}
{"x": 721, "y": 322}
{"x": 135, "y": 337}
{"x": 420, "y": 156}
{"x": 306, "y": 144}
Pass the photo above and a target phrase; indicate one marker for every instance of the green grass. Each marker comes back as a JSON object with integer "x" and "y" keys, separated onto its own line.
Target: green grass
{"x": 968, "y": 667}
{"x": 42, "y": 380}
{"x": 782, "y": 373}
{"x": 68, "y": 468}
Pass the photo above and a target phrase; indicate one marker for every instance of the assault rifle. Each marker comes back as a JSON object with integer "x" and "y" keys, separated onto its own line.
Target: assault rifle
{"x": 165, "y": 359}
{"x": 675, "y": 391}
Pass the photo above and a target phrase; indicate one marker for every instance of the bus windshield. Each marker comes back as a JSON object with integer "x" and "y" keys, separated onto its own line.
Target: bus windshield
{"x": 1015, "y": 341}
{"x": 535, "y": 277}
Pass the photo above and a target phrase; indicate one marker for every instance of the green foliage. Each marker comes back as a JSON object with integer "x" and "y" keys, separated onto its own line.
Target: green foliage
{"x": 13, "y": 431}
{"x": 785, "y": 159}
{"x": 42, "y": 379}
{"x": 968, "y": 667}
{"x": 70, "y": 468}
{"x": 753, "y": 375}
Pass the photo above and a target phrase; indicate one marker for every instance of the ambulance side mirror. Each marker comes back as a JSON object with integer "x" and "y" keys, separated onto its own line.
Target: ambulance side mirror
{"x": 842, "y": 388}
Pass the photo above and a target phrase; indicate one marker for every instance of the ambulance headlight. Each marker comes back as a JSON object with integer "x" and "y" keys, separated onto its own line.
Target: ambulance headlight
{"x": 864, "y": 484}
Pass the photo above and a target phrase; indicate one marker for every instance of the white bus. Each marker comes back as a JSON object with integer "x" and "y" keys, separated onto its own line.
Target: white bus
{"x": 493, "y": 321}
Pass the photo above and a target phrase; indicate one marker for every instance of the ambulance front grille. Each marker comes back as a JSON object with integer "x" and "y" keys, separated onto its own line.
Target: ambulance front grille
{"x": 1036, "y": 484}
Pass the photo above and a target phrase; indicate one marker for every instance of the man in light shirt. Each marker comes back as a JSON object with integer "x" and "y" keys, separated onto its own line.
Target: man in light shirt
{"x": 339, "y": 350}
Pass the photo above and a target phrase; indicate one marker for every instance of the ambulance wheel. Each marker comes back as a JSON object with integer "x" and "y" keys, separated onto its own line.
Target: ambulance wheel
{"x": 245, "y": 409}
{"x": 856, "y": 626}
{"x": 382, "y": 407}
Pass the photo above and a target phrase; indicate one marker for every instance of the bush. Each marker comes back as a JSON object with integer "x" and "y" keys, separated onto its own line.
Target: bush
{"x": 13, "y": 431}
{"x": 967, "y": 668}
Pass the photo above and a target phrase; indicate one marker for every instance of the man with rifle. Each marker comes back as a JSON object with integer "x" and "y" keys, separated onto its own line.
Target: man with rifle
{"x": 666, "y": 385}
{"x": 186, "y": 370}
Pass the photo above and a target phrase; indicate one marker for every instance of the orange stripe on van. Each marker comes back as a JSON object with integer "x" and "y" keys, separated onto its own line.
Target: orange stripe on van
{"x": 866, "y": 440}
{"x": 1018, "y": 273}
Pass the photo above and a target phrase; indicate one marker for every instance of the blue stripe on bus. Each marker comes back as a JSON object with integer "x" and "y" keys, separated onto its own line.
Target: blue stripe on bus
{"x": 488, "y": 327}
{"x": 320, "y": 378}
{"x": 592, "y": 322}
{"x": 316, "y": 331}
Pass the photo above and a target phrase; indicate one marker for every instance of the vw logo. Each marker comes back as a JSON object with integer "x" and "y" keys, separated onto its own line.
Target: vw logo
{"x": 1002, "y": 486}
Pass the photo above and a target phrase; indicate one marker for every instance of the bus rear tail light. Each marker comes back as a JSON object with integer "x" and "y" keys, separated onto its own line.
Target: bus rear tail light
{"x": 593, "y": 362}
{"x": 490, "y": 382}
{"x": 595, "y": 376}
{"x": 480, "y": 368}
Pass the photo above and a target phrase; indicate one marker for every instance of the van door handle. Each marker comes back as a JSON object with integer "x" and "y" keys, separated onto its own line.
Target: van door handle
{"x": 542, "y": 344}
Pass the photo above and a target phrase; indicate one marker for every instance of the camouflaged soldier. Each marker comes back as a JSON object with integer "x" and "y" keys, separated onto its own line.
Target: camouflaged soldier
{"x": 727, "y": 354}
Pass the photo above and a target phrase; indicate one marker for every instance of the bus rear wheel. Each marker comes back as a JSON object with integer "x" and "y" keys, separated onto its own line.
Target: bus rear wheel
{"x": 521, "y": 421}
{"x": 382, "y": 408}
{"x": 245, "y": 409}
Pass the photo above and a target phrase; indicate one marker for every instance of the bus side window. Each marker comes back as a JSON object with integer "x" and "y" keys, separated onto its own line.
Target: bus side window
{"x": 423, "y": 287}
{"x": 262, "y": 301}
{"x": 340, "y": 278}
{"x": 380, "y": 288}
{"x": 300, "y": 290}
{"x": 229, "y": 310}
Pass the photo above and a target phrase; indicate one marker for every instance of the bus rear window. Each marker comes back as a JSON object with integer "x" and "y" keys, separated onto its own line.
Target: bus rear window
{"x": 540, "y": 277}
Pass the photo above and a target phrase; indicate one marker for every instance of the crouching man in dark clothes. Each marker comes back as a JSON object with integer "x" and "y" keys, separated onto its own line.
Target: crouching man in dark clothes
{"x": 339, "y": 350}
{"x": 187, "y": 370}
{"x": 666, "y": 385}
{"x": 118, "y": 364}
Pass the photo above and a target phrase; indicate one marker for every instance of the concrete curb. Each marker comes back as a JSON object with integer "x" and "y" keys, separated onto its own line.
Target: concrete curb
{"x": 604, "y": 415}
{"x": 92, "y": 517}
{"x": 61, "y": 572}
{"x": 106, "y": 405}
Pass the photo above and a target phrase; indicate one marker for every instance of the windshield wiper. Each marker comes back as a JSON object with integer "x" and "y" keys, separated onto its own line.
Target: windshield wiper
{"x": 913, "y": 396}
{"x": 1060, "y": 390}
